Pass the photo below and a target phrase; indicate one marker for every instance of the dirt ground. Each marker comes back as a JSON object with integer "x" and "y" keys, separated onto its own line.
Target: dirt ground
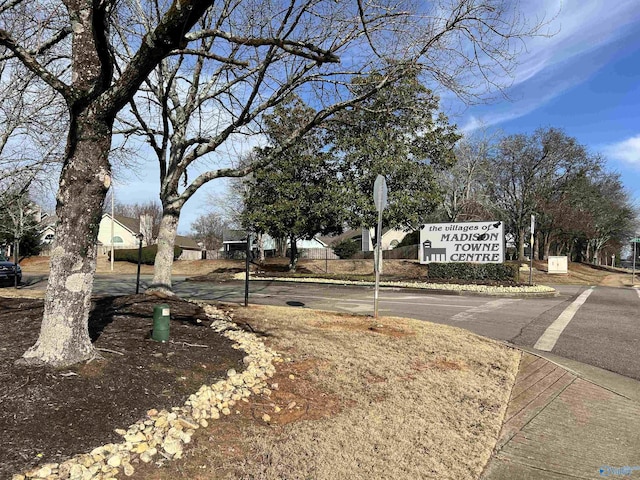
{"x": 48, "y": 415}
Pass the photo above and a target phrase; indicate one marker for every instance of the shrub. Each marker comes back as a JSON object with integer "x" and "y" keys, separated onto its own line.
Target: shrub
{"x": 500, "y": 272}
{"x": 409, "y": 239}
{"x": 346, "y": 249}
{"x": 148, "y": 254}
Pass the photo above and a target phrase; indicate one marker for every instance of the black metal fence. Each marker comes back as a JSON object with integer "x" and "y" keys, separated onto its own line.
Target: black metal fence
{"x": 403, "y": 253}
{"x": 409, "y": 252}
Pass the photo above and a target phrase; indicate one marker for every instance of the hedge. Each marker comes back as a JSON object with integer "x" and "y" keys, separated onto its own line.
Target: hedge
{"x": 500, "y": 272}
{"x": 148, "y": 254}
{"x": 346, "y": 249}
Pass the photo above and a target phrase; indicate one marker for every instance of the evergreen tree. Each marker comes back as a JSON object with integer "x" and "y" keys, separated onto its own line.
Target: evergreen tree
{"x": 296, "y": 196}
{"x": 397, "y": 133}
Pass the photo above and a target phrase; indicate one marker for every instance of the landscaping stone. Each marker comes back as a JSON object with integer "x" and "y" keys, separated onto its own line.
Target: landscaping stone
{"x": 167, "y": 432}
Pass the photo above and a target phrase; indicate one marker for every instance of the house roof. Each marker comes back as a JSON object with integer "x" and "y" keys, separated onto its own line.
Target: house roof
{"x": 331, "y": 240}
{"x": 234, "y": 236}
{"x": 187, "y": 242}
{"x": 131, "y": 224}
{"x": 47, "y": 221}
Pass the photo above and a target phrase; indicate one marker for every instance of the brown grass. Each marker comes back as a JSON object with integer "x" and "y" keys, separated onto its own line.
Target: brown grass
{"x": 180, "y": 267}
{"x": 360, "y": 399}
{"x": 579, "y": 274}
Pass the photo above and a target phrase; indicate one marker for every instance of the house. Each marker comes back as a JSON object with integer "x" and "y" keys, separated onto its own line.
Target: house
{"x": 122, "y": 230}
{"x": 125, "y": 230}
{"x": 191, "y": 249}
{"x": 236, "y": 241}
{"x": 47, "y": 229}
{"x": 390, "y": 238}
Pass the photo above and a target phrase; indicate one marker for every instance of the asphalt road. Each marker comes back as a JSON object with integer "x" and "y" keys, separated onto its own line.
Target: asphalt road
{"x": 604, "y": 331}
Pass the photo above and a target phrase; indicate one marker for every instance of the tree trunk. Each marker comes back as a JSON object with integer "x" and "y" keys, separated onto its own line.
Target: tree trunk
{"x": 521, "y": 234}
{"x": 293, "y": 250}
{"x": 64, "y": 334}
{"x": 536, "y": 251}
{"x": 164, "y": 257}
{"x": 260, "y": 243}
{"x": 546, "y": 246}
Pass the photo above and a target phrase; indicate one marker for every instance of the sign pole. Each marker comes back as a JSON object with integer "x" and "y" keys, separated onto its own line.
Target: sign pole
{"x": 533, "y": 224}
{"x": 378, "y": 260}
{"x": 380, "y": 201}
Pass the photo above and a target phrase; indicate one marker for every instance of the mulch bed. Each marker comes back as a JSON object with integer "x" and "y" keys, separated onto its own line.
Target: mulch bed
{"x": 48, "y": 415}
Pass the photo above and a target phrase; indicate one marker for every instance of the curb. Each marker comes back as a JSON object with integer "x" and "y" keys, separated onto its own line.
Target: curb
{"x": 440, "y": 291}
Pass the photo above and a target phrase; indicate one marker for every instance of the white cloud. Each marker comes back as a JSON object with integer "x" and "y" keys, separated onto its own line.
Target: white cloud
{"x": 627, "y": 151}
{"x": 576, "y": 27}
{"x": 584, "y": 35}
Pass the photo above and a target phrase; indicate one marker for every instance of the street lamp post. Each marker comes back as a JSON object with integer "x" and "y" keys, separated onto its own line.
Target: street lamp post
{"x": 16, "y": 246}
{"x": 633, "y": 272}
{"x": 139, "y": 236}
{"x": 246, "y": 270}
{"x": 113, "y": 195}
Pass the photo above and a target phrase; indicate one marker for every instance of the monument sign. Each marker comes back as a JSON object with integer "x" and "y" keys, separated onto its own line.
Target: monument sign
{"x": 479, "y": 242}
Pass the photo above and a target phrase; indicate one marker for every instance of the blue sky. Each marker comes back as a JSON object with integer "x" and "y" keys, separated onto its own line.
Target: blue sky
{"x": 585, "y": 79}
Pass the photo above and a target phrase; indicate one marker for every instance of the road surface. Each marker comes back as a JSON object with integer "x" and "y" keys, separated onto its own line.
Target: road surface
{"x": 603, "y": 327}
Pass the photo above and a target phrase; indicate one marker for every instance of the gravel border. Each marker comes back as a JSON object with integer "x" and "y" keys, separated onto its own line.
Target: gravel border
{"x": 162, "y": 435}
{"x": 448, "y": 287}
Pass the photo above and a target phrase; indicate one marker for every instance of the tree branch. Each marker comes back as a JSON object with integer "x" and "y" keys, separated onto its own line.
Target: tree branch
{"x": 32, "y": 64}
{"x": 61, "y": 35}
{"x": 166, "y": 37}
{"x": 211, "y": 56}
{"x": 300, "y": 49}
{"x": 317, "y": 119}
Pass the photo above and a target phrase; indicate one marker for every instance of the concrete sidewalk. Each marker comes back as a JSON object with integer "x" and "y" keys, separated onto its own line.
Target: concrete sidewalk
{"x": 567, "y": 420}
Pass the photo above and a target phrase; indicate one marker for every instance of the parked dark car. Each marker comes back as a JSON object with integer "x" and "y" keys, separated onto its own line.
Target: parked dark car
{"x": 8, "y": 272}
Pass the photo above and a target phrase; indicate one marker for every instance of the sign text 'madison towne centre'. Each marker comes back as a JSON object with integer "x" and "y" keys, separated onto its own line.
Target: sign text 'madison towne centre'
{"x": 480, "y": 242}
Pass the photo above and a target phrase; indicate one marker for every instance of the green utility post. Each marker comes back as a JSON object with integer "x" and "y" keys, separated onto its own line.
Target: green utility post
{"x": 161, "y": 317}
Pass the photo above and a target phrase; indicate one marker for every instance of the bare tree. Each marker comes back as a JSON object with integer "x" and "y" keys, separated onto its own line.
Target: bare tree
{"x": 208, "y": 228}
{"x": 32, "y": 131}
{"x": 250, "y": 55}
{"x": 465, "y": 195}
{"x": 528, "y": 168}
{"x": 243, "y": 40}
{"x": 84, "y": 76}
{"x": 19, "y": 218}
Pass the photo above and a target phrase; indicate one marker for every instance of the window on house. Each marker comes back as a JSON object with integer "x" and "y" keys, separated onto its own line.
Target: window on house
{"x": 394, "y": 243}
{"x": 117, "y": 239}
{"x": 48, "y": 237}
